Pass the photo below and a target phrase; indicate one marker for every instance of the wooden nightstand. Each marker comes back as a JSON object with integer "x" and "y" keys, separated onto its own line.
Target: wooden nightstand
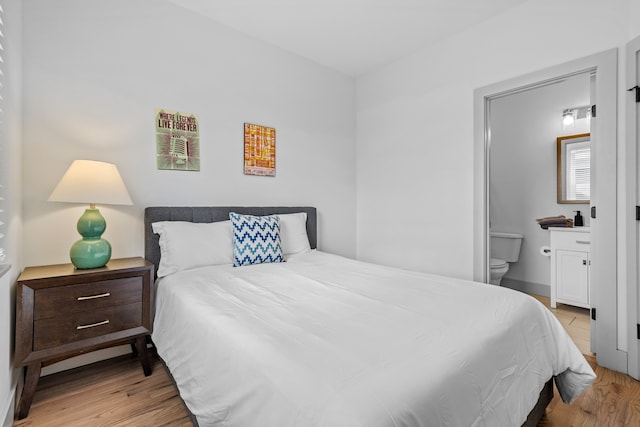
{"x": 62, "y": 312}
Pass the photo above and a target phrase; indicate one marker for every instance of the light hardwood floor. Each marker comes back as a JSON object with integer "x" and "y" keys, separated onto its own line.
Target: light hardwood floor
{"x": 612, "y": 400}
{"x": 116, "y": 393}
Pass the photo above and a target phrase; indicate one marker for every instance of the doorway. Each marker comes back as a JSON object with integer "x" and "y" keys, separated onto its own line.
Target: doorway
{"x": 523, "y": 172}
{"x": 609, "y": 347}
{"x": 523, "y": 185}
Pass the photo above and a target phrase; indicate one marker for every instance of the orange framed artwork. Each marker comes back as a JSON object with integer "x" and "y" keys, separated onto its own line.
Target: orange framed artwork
{"x": 259, "y": 150}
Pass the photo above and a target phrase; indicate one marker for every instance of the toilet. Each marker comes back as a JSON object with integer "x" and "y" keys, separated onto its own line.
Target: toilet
{"x": 505, "y": 249}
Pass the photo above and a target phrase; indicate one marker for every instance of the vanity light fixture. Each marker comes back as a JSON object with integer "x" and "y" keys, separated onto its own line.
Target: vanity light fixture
{"x": 567, "y": 118}
{"x": 570, "y": 115}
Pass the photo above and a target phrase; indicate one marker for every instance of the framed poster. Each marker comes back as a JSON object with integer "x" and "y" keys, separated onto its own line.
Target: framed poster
{"x": 177, "y": 141}
{"x": 259, "y": 150}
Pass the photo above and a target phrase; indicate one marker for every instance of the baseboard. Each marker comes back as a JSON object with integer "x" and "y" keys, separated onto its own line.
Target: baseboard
{"x": 8, "y": 410}
{"x": 526, "y": 287}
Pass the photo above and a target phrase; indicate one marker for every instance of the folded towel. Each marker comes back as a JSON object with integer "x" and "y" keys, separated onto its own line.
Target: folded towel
{"x": 559, "y": 217}
{"x": 558, "y": 225}
{"x": 549, "y": 222}
{"x": 555, "y": 221}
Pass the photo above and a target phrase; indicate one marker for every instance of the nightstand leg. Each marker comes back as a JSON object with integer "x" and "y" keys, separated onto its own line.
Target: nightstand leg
{"x": 143, "y": 355}
{"x": 30, "y": 384}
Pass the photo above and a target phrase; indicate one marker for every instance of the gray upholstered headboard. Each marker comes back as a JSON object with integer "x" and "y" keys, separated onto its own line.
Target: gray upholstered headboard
{"x": 213, "y": 214}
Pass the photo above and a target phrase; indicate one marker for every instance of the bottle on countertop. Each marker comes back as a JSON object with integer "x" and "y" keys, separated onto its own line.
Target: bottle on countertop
{"x": 578, "y": 221}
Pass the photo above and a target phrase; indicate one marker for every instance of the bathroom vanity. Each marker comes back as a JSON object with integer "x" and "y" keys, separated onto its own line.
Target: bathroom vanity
{"x": 570, "y": 266}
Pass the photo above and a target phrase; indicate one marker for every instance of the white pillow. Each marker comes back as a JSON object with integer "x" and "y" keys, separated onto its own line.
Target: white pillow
{"x": 293, "y": 233}
{"x": 186, "y": 245}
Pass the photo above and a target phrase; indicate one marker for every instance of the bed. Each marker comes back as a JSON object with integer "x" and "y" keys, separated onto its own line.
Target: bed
{"x": 323, "y": 340}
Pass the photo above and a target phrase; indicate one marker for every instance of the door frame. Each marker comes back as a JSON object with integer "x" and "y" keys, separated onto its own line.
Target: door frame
{"x": 604, "y": 228}
{"x": 632, "y": 196}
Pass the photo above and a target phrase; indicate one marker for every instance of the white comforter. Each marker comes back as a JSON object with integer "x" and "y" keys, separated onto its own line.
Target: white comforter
{"x": 323, "y": 340}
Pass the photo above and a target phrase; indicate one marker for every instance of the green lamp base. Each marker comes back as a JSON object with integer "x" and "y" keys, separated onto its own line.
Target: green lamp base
{"x": 91, "y": 251}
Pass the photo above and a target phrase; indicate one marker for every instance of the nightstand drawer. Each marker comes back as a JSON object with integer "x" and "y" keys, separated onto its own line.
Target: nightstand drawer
{"x": 78, "y": 326}
{"x": 49, "y": 302}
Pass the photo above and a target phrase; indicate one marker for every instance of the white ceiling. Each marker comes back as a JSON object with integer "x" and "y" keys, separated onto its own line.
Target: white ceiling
{"x": 350, "y": 36}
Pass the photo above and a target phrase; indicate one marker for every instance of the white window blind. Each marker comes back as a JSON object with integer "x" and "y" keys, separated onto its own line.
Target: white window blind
{"x": 579, "y": 171}
{"x": 3, "y": 136}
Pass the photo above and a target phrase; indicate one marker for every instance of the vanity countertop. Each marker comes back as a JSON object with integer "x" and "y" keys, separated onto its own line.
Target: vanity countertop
{"x": 571, "y": 229}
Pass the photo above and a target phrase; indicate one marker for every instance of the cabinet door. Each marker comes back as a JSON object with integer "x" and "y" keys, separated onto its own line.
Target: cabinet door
{"x": 572, "y": 270}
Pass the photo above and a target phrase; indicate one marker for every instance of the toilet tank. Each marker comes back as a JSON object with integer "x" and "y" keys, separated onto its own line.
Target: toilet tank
{"x": 506, "y": 246}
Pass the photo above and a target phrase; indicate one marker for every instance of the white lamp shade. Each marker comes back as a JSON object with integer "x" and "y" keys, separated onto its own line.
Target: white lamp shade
{"x": 88, "y": 181}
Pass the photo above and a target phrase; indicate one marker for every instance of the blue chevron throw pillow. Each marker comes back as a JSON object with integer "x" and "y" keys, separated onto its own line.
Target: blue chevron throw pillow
{"x": 256, "y": 239}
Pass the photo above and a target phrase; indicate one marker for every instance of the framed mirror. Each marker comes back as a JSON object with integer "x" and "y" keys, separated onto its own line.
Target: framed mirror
{"x": 574, "y": 168}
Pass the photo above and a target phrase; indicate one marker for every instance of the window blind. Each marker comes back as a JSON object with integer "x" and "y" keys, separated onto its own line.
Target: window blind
{"x": 579, "y": 172}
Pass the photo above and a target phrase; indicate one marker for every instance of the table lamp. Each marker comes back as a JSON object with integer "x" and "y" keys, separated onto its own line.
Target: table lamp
{"x": 88, "y": 181}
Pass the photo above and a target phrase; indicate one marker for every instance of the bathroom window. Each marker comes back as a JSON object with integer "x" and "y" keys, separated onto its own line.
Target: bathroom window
{"x": 579, "y": 171}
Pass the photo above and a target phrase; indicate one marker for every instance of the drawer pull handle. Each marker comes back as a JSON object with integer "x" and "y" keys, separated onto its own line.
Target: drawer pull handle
{"x": 93, "y": 325}
{"x": 583, "y": 242}
{"x": 106, "y": 294}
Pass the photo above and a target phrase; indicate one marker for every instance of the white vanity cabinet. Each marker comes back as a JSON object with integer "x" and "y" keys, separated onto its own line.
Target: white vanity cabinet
{"x": 570, "y": 266}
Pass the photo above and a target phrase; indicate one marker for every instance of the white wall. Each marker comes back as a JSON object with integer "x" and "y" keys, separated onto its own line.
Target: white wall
{"x": 415, "y": 126}
{"x": 10, "y": 177}
{"x": 634, "y": 22}
{"x": 523, "y": 171}
{"x": 94, "y": 73}
{"x": 7, "y": 385}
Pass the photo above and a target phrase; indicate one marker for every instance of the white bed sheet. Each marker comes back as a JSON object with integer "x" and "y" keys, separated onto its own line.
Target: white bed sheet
{"x": 323, "y": 340}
